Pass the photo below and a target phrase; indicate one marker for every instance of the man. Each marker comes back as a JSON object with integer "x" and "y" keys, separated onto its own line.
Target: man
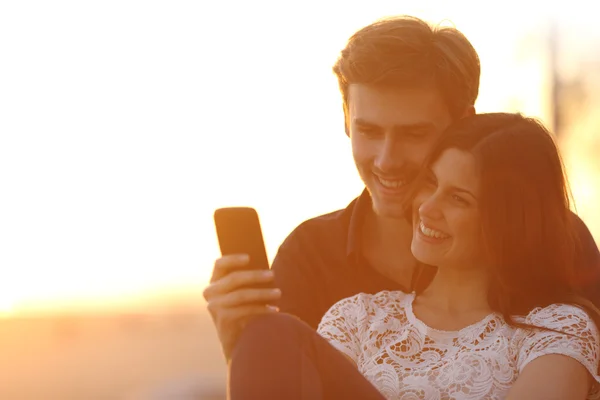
{"x": 402, "y": 82}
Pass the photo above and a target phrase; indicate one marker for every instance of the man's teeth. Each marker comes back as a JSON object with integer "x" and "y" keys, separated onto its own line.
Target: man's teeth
{"x": 391, "y": 183}
{"x": 431, "y": 232}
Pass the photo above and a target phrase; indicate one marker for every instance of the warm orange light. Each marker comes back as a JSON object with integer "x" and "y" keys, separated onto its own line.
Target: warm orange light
{"x": 119, "y": 147}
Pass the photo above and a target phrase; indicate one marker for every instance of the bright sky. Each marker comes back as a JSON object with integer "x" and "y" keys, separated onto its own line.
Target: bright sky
{"x": 124, "y": 124}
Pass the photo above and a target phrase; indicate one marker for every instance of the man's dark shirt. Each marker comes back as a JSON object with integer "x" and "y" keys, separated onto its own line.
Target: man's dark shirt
{"x": 321, "y": 262}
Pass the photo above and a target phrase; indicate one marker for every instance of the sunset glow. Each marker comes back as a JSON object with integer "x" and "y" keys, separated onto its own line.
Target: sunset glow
{"x": 127, "y": 123}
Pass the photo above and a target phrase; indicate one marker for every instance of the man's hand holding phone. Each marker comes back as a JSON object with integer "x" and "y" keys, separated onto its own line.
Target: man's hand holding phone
{"x": 241, "y": 285}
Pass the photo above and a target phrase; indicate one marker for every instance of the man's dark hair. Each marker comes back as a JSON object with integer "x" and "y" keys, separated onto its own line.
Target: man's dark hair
{"x": 404, "y": 51}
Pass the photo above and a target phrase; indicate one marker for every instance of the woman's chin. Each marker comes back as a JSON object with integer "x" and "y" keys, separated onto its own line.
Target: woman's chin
{"x": 424, "y": 257}
{"x": 429, "y": 253}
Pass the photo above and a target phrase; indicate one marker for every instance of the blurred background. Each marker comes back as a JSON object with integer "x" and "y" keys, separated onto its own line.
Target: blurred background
{"x": 124, "y": 124}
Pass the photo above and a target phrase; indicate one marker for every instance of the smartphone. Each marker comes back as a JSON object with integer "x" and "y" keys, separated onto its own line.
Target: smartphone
{"x": 239, "y": 232}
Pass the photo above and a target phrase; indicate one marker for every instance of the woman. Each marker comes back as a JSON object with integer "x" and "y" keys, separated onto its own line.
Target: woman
{"x": 500, "y": 319}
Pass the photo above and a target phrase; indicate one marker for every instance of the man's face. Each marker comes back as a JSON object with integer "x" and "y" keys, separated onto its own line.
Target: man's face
{"x": 392, "y": 131}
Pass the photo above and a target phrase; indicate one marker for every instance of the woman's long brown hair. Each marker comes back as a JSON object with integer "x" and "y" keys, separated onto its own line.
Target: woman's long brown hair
{"x": 527, "y": 227}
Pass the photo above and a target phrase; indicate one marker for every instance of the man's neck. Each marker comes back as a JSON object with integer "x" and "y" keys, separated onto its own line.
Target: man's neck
{"x": 386, "y": 246}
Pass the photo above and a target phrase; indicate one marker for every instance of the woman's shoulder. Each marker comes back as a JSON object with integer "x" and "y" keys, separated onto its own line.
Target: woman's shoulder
{"x": 566, "y": 330}
{"x": 557, "y": 313}
{"x": 388, "y": 300}
{"x": 566, "y": 318}
{"x": 362, "y": 308}
{"x": 367, "y": 308}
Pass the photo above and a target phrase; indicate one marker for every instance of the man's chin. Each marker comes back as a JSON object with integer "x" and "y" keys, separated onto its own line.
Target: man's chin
{"x": 389, "y": 210}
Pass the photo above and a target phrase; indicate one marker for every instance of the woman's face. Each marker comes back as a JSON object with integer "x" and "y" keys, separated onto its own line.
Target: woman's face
{"x": 446, "y": 222}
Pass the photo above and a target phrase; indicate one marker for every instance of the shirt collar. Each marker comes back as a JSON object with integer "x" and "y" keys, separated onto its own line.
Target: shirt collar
{"x": 357, "y": 218}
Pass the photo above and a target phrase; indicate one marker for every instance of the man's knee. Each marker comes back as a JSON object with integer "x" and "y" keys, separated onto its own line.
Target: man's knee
{"x": 272, "y": 331}
{"x": 275, "y": 325}
{"x": 270, "y": 359}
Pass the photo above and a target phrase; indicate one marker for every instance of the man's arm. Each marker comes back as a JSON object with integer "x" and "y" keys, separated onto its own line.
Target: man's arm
{"x": 587, "y": 262}
{"x": 235, "y": 295}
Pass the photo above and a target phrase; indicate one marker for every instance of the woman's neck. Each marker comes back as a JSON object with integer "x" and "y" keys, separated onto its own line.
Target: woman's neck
{"x": 457, "y": 290}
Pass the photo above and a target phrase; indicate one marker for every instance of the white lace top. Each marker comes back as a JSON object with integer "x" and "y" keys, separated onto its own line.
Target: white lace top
{"x": 406, "y": 359}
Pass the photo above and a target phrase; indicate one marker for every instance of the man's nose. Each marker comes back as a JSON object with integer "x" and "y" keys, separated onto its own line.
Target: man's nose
{"x": 389, "y": 156}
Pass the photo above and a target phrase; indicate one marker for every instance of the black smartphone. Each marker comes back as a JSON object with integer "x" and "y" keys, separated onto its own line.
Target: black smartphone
{"x": 239, "y": 232}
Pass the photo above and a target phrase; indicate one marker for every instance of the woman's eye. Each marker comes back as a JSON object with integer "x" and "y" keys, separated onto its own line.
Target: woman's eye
{"x": 460, "y": 199}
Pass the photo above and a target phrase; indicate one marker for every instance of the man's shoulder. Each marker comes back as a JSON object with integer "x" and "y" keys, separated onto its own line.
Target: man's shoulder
{"x": 587, "y": 261}
{"x": 327, "y": 225}
{"x": 332, "y": 219}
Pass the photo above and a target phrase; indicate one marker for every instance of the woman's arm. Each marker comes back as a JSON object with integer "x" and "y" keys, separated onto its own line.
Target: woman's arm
{"x": 559, "y": 360}
{"x": 340, "y": 326}
{"x": 552, "y": 377}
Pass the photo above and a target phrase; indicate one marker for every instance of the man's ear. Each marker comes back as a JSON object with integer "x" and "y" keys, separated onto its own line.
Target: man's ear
{"x": 469, "y": 111}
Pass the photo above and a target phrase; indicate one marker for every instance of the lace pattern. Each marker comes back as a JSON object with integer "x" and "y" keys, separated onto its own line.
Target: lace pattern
{"x": 404, "y": 358}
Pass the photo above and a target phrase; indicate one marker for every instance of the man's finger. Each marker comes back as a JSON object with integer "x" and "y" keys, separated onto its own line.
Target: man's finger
{"x": 236, "y": 280}
{"x": 226, "y": 264}
{"x": 244, "y": 297}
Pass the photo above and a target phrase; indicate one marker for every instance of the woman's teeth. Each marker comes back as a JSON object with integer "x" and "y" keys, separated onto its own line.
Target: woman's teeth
{"x": 431, "y": 232}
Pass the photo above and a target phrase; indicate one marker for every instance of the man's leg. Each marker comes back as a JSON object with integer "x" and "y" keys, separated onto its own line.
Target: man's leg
{"x": 280, "y": 357}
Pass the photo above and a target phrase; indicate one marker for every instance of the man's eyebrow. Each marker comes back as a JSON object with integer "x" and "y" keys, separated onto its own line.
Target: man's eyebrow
{"x": 423, "y": 124}
{"x": 364, "y": 122}
{"x": 416, "y": 125}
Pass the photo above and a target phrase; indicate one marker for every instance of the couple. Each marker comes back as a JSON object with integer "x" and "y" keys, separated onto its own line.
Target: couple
{"x": 468, "y": 278}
